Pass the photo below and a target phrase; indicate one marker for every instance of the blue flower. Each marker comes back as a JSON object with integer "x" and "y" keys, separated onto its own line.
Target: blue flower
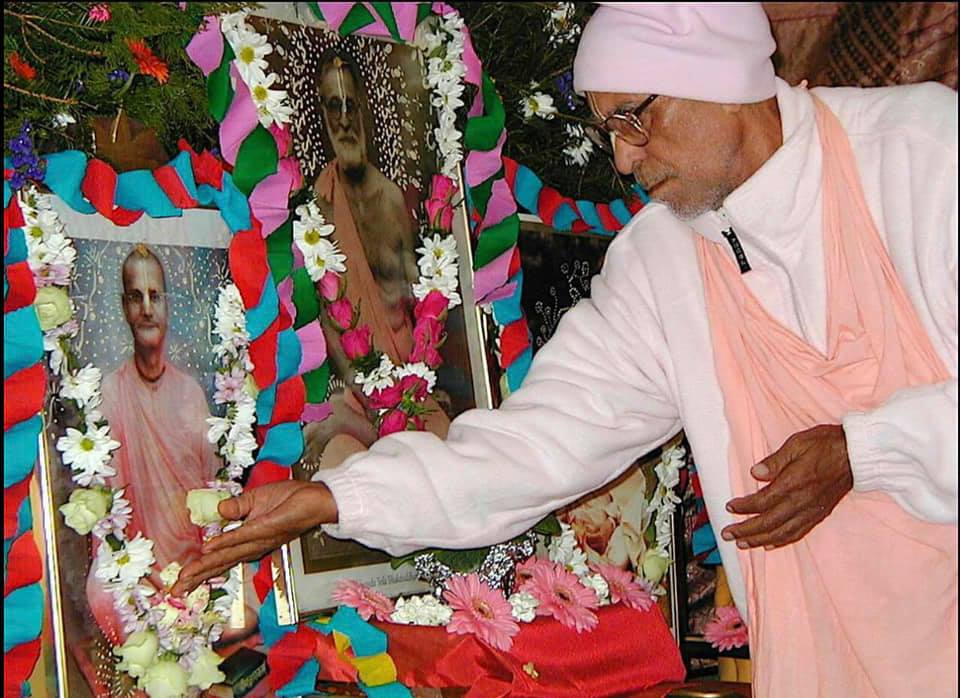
{"x": 565, "y": 85}
{"x": 25, "y": 162}
{"x": 119, "y": 74}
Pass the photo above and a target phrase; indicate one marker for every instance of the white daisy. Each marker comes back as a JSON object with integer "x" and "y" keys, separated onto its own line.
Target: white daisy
{"x": 310, "y": 228}
{"x": 235, "y": 22}
{"x": 250, "y": 50}
{"x": 88, "y": 454}
{"x": 326, "y": 256}
{"x": 579, "y": 150}
{"x": 438, "y": 251}
{"x": 446, "y": 285}
{"x": 128, "y": 564}
{"x": 417, "y": 369}
{"x": 538, "y": 104}
{"x": 378, "y": 379}
{"x": 523, "y": 606}
{"x": 83, "y": 387}
{"x": 272, "y": 106}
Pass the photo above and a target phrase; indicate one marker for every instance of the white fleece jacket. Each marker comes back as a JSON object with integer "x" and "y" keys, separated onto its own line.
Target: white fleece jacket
{"x": 629, "y": 367}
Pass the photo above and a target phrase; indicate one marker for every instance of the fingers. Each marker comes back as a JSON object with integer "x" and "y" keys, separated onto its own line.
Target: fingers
{"x": 214, "y": 565}
{"x": 790, "y": 532}
{"x": 236, "y": 508}
{"x": 759, "y": 501}
{"x": 758, "y": 526}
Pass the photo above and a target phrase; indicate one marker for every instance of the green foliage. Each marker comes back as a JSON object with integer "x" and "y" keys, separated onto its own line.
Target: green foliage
{"x": 513, "y": 42}
{"x": 73, "y": 57}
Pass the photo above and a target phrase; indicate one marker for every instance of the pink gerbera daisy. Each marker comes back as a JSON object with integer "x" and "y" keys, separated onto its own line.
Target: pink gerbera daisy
{"x": 481, "y": 611}
{"x": 361, "y": 597}
{"x": 626, "y": 588}
{"x": 726, "y": 630}
{"x": 562, "y": 596}
{"x": 528, "y": 569}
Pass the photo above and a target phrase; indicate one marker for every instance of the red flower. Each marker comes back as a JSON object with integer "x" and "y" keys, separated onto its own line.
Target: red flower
{"x": 392, "y": 422}
{"x": 426, "y": 338}
{"x": 341, "y": 312}
{"x": 148, "y": 62}
{"x": 385, "y": 398}
{"x": 22, "y": 68}
{"x": 330, "y": 286}
{"x": 433, "y": 305}
{"x": 439, "y": 209}
{"x": 415, "y": 386}
{"x": 356, "y": 342}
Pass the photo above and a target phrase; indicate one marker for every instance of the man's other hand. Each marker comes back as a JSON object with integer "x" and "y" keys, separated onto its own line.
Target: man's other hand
{"x": 272, "y": 515}
{"x": 808, "y": 476}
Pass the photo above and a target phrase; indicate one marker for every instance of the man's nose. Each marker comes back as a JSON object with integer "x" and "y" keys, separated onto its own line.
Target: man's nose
{"x": 147, "y": 306}
{"x": 626, "y": 157}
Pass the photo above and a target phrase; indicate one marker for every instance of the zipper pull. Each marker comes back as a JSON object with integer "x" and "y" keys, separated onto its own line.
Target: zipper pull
{"x": 730, "y": 235}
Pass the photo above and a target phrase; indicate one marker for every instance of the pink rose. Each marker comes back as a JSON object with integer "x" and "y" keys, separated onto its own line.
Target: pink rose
{"x": 414, "y": 386}
{"x": 356, "y": 342}
{"x": 330, "y": 286}
{"x": 341, "y": 312}
{"x": 392, "y": 422}
{"x": 438, "y": 206}
{"x": 426, "y": 338}
{"x": 291, "y": 166}
{"x": 385, "y": 398}
{"x": 433, "y": 305}
{"x": 282, "y": 137}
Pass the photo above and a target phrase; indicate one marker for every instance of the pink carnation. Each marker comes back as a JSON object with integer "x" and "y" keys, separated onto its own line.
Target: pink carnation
{"x": 385, "y": 398}
{"x": 433, "y": 305}
{"x": 562, "y": 596}
{"x": 361, "y": 597}
{"x": 480, "y": 611}
{"x": 99, "y": 13}
{"x": 341, "y": 312}
{"x": 626, "y": 588}
{"x": 726, "y": 630}
{"x": 356, "y": 342}
{"x": 392, "y": 422}
{"x": 330, "y": 286}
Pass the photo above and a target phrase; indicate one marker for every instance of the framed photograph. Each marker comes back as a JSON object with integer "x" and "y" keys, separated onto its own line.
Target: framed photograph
{"x": 144, "y": 299}
{"x": 363, "y": 134}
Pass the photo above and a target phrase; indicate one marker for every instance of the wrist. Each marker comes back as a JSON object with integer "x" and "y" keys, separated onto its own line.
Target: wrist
{"x": 324, "y": 505}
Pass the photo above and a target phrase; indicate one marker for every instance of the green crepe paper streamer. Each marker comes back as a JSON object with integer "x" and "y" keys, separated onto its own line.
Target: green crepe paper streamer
{"x": 280, "y": 251}
{"x": 496, "y": 240}
{"x": 424, "y": 10}
{"x": 256, "y": 160}
{"x": 483, "y": 132}
{"x": 219, "y": 90}
{"x": 480, "y": 195}
{"x": 315, "y": 8}
{"x": 316, "y": 383}
{"x": 385, "y": 10}
{"x": 304, "y": 298}
{"x": 357, "y": 18}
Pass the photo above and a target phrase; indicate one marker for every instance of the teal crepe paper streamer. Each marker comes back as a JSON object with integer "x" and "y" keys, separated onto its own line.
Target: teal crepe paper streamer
{"x": 65, "y": 172}
{"x": 16, "y": 248}
{"x": 22, "y": 618}
{"x": 619, "y": 209}
{"x": 365, "y": 639}
{"x": 262, "y": 315}
{"x": 508, "y": 310}
{"x": 304, "y": 682}
{"x": 564, "y": 217}
{"x": 517, "y": 371}
{"x": 20, "y": 450}
{"x": 270, "y": 630}
{"x": 22, "y": 340}
{"x": 289, "y": 354}
{"x": 265, "y": 403}
{"x": 184, "y": 167}
{"x": 137, "y": 190}
{"x": 283, "y": 444}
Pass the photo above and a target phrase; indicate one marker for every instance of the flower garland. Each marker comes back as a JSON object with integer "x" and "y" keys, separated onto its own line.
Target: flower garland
{"x": 444, "y": 48}
{"x": 169, "y": 640}
{"x": 397, "y": 393}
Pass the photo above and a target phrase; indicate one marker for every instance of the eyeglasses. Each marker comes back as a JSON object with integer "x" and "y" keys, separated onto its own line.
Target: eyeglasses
{"x": 624, "y": 125}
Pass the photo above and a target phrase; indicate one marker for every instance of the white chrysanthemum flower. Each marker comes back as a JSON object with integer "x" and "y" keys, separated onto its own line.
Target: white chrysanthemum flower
{"x": 421, "y": 610}
{"x": 599, "y": 585}
{"x": 523, "y": 606}
{"x": 235, "y": 22}
{"x": 117, "y": 519}
{"x": 62, "y": 119}
{"x": 272, "y": 106}
{"x": 447, "y": 94}
{"x": 378, "y": 379}
{"x": 127, "y": 565}
{"x": 53, "y": 249}
{"x": 88, "y": 454}
{"x": 53, "y": 342}
{"x": 83, "y": 387}
{"x": 438, "y": 251}
{"x": 219, "y": 427}
{"x": 250, "y": 50}
{"x": 565, "y": 550}
{"x": 445, "y": 284}
{"x": 231, "y": 321}
{"x": 326, "y": 257}
{"x": 580, "y": 148}
{"x": 239, "y": 452}
{"x": 538, "y": 104}
{"x": 417, "y": 369}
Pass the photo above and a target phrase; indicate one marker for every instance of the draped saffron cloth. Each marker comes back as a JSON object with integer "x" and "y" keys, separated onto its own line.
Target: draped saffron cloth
{"x": 866, "y": 603}
{"x": 164, "y": 453}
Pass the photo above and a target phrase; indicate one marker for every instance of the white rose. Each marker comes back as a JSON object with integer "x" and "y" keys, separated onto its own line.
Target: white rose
{"x": 203, "y": 505}
{"x": 170, "y": 574}
{"x": 166, "y": 679}
{"x": 654, "y": 565}
{"x": 205, "y": 671}
{"x": 85, "y": 509}
{"x": 138, "y": 653}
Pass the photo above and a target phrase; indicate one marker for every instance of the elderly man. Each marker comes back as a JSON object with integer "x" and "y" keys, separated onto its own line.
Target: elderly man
{"x": 791, "y": 301}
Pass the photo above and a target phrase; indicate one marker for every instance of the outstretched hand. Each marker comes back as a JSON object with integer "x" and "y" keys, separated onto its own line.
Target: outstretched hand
{"x": 808, "y": 477}
{"x": 272, "y": 515}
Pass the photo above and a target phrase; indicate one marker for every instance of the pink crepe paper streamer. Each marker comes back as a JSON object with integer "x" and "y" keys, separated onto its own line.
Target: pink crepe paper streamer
{"x": 483, "y": 164}
{"x": 499, "y": 294}
{"x": 476, "y": 109}
{"x": 298, "y": 261}
{"x": 268, "y": 201}
{"x": 313, "y": 346}
{"x": 491, "y": 276}
{"x": 405, "y": 14}
{"x": 316, "y": 413}
{"x": 471, "y": 60}
{"x": 335, "y": 12}
{"x": 240, "y": 120}
{"x": 206, "y": 47}
{"x": 501, "y": 204}
{"x": 285, "y": 293}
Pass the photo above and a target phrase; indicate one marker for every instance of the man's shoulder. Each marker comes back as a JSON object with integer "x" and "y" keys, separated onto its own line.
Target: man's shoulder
{"x": 924, "y": 110}
{"x": 654, "y": 227}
